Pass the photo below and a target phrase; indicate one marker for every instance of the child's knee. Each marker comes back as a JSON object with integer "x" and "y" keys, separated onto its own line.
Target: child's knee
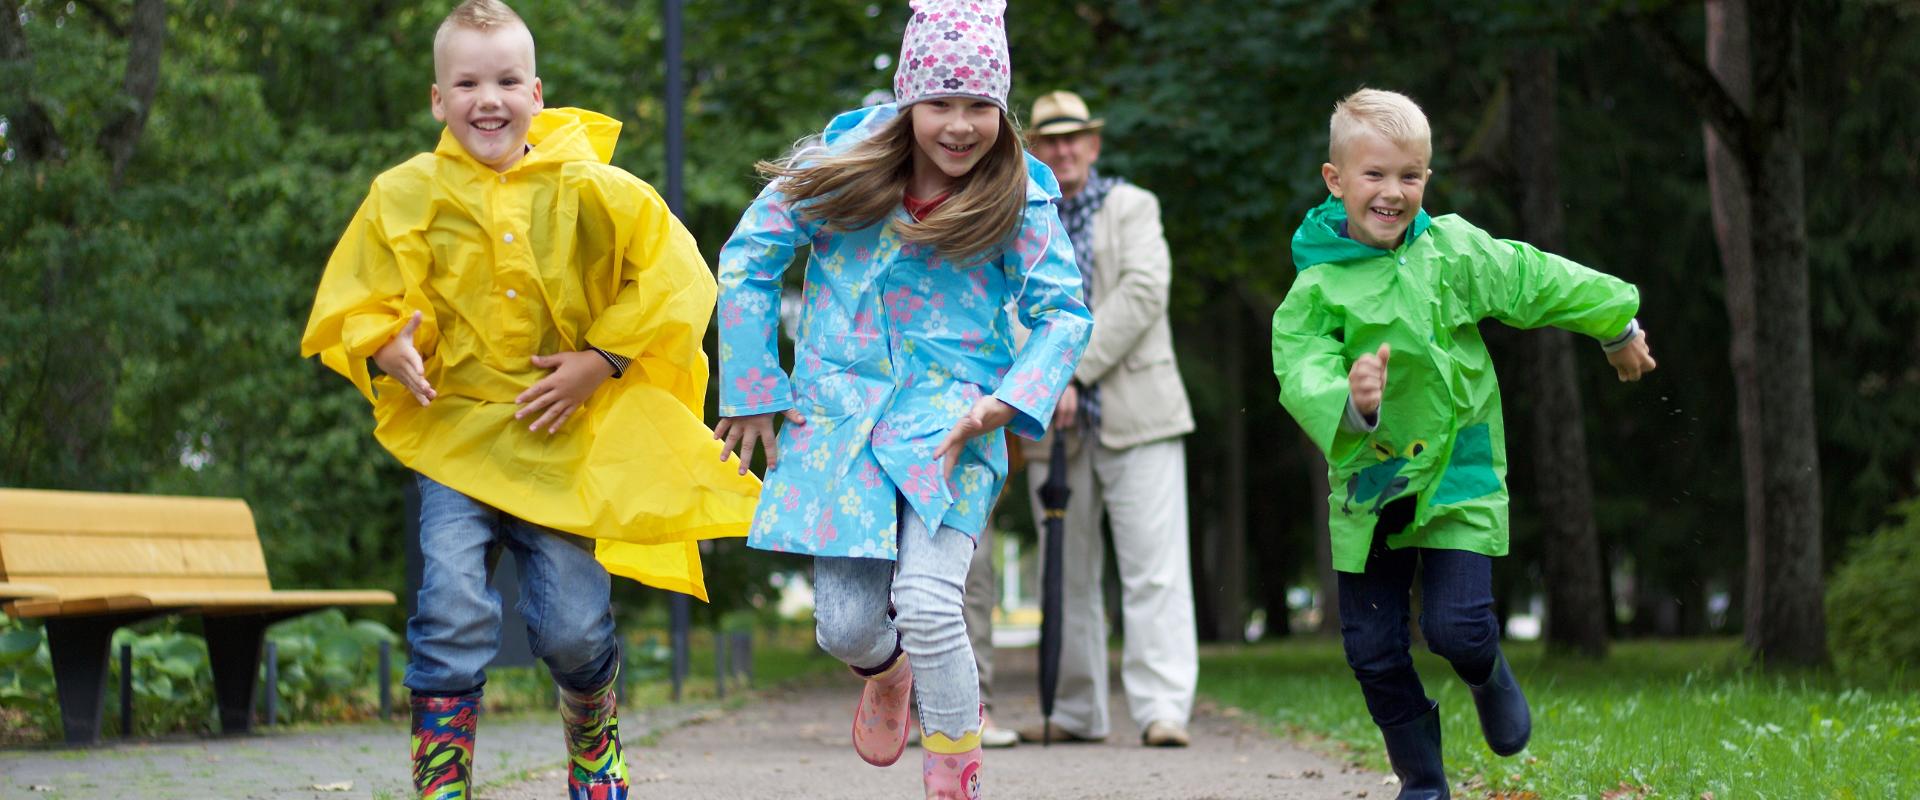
{"x": 843, "y": 632}
{"x": 1373, "y": 651}
{"x": 925, "y": 616}
{"x": 1462, "y": 639}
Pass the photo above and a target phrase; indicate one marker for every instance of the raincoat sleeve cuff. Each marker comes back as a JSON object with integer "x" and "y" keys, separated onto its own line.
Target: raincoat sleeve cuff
{"x": 1626, "y": 337}
{"x": 1355, "y": 422}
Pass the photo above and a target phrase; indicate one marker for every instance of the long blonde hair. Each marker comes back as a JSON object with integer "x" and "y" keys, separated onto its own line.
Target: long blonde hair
{"x": 857, "y": 188}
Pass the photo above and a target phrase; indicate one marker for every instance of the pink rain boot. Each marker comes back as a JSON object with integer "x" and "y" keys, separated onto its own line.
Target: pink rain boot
{"x": 880, "y": 721}
{"x": 951, "y": 768}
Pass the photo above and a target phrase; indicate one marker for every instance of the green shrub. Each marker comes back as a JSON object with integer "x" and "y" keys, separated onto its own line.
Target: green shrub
{"x": 1873, "y": 600}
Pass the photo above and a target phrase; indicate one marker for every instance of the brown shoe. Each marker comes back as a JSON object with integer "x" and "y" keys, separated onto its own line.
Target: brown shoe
{"x": 1161, "y": 733}
{"x": 1035, "y": 733}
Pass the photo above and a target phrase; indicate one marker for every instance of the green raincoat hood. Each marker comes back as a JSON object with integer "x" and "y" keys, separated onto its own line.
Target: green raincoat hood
{"x": 1321, "y": 237}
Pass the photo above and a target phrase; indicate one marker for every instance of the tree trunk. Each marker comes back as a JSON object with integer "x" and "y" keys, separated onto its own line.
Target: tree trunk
{"x": 1225, "y": 550}
{"x": 30, "y": 130}
{"x": 1576, "y": 606}
{"x": 1732, "y": 231}
{"x": 1323, "y": 539}
{"x": 1792, "y": 622}
{"x": 1786, "y": 622}
{"x": 121, "y": 134}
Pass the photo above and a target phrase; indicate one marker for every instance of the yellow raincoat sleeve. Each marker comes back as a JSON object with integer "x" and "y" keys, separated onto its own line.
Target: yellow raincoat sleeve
{"x": 661, "y": 308}
{"x": 364, "y": 296}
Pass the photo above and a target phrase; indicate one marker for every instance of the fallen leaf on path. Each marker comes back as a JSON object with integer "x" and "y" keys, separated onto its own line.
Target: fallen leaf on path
{"x": 1312, "y": 773}
{"x": 42, "y": 788}
{"x": 337, "y": 786}
{"x": 1627, "y": 791}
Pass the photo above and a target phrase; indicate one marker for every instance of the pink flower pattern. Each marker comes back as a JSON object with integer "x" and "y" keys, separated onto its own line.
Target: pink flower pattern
{"x": 888, "y": 350}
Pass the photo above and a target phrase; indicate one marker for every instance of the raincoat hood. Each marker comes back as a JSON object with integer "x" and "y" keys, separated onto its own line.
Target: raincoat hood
{"x": 856, "y": 126}
{"x": 558, "y": 135}
{"x": 1321, "y": 237}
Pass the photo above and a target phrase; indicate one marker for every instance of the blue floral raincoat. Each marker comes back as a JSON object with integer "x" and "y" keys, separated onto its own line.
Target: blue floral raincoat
{"x": 895, "y": 344}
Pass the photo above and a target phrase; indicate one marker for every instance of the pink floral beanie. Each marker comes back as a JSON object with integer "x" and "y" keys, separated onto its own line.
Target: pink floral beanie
{"x": 954, "y": 48}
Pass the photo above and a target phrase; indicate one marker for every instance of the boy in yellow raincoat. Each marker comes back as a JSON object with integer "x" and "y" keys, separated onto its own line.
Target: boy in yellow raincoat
{"x": 538, "y": 316}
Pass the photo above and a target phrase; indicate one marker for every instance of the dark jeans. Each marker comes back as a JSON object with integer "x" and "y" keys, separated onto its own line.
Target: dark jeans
{"x": 1456, "y": 615}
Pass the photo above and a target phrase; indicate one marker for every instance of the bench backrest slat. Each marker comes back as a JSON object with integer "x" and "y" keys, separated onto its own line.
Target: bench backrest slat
{"x": 86, "y": 543}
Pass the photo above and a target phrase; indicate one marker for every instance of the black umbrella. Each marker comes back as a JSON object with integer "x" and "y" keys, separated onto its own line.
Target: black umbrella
{"x": 1053, "y": 498}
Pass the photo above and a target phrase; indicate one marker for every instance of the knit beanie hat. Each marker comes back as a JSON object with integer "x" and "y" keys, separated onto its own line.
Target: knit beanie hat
{"x": 954, "y": 48}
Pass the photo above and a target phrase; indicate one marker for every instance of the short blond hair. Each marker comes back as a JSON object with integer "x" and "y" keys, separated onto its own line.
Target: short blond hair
{"x": 478, "y": 15}
{"x": 1392, "y": 115}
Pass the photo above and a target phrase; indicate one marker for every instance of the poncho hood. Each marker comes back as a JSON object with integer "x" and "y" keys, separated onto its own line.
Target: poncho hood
{"x": 558, "y": 135}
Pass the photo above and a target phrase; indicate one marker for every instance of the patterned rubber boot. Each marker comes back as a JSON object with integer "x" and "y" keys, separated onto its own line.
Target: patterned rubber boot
{"x": 950, "y": 770}
{"x": 596, "y": 769}
{"x": 443, "y": 732}
{"x": 880, "y": 721}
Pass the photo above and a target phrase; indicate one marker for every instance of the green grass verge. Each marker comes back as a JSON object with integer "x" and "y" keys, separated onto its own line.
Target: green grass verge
{"x": 1685, "y": 719}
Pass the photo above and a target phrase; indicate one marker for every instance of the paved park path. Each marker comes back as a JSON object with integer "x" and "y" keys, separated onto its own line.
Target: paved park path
{"x": 788, "y": 742}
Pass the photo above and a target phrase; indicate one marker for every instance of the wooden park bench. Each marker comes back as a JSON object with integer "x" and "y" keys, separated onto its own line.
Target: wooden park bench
{"x": 89, "y": 563}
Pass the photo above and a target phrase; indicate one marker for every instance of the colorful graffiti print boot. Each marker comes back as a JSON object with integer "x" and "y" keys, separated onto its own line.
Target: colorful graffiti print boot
{"x": 443, "y": 731}
{"x": 950, "y": 770}
{"x": 880, "y": 721}
{"x": 596, "y": 767}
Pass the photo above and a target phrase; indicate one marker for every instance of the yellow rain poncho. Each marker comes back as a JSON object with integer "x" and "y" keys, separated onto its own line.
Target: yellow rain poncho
{"x": 559, "y": 251}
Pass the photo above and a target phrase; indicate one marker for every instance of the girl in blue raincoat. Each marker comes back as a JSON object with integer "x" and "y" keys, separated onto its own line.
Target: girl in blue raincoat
{"x": 926, "y": 221}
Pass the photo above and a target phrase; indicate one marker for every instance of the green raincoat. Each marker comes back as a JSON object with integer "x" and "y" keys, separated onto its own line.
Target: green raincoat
{"x": 1440, "y": 438}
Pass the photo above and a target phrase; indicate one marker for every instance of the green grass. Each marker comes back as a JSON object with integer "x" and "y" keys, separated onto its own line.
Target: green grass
{"x": 1686, "y": 719}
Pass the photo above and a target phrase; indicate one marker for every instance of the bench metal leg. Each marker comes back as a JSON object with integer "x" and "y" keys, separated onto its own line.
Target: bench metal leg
{"x": 79, "y": 646}
{"x": 233, "y": 647}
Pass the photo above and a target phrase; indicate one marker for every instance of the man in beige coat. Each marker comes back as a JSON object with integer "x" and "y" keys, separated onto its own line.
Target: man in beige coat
{"x": 1123, "y": 416}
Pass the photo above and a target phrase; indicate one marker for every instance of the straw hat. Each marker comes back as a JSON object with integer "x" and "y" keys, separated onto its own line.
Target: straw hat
{"x": 1056, "y": 113}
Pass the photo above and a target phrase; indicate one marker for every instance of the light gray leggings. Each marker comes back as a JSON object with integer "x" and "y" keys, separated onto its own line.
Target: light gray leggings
{"x": 925, "y": 587}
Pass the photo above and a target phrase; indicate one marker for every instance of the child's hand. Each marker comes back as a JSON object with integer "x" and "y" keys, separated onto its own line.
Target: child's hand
{"x": 1634, "y": 360}
{"x": 987, "y": 413}
{"x": 1367, "y": 381}
{"x": 575, "y": 375}
{"x": 400, "y": 359}
{"x": 741, "y": 434}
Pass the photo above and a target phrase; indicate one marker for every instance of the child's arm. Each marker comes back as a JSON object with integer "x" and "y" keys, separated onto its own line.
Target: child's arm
{"x": 362, "y": 305}
{"x": 1525, "y": 287}
{"x": 1318, "y": 385}
{"x": 1047, "y": 300}
{"x": 753, "y": 386}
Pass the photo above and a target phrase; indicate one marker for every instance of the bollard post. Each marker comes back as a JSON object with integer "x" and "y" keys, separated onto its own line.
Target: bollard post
{"x": 681, "y": 612}
{"x": 126, "y": 690}
{"x": 719, "y": 664}
{"x": 386, "y": 679}
{"x": 271, "y": 686}
{"x": 743, "y": 656}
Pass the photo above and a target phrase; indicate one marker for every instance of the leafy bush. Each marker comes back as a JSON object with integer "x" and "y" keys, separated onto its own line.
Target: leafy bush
{"x": 1873, "y": 600}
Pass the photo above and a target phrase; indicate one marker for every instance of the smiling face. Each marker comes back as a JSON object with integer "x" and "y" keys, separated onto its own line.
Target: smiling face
{"x": 950, "y": 136}
{"x": 485, "y": 91}
{"x": 1071, "y": 155}
{"x": 1381, "y": 184}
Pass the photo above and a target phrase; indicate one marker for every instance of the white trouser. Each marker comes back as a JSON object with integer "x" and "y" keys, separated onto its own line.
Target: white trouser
{"x": 1143, "y": 491}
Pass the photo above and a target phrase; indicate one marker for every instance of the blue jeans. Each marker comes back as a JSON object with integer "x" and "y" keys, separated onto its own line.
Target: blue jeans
{"x": 1456, "y": 616}
{"x": 455, "y": 628}
{"x": 851, "y": 601}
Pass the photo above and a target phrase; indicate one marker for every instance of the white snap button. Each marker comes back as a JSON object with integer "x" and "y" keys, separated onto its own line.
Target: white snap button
{"x": 512, "y": 294}
{"x": 509, "y": 238}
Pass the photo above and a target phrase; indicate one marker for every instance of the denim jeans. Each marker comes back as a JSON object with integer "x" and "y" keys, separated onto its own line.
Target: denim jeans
{"x": 1456, "y": 616}
{"x": 852, "y": 620}
{"x": 455, "y": 628}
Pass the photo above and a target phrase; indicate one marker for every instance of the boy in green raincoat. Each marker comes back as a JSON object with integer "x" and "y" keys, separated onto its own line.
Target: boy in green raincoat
{"x": 1417, "y": 464}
